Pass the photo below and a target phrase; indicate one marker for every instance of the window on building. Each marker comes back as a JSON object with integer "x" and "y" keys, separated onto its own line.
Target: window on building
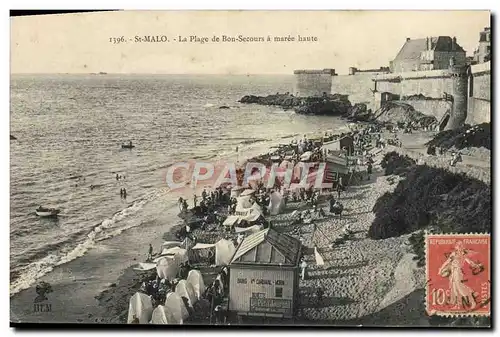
{"x": 258, "y": 295}
{"x": 488, "y": 49}
{"x": 278, "y": 292}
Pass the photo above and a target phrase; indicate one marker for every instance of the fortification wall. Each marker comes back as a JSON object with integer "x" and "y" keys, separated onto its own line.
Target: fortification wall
{"x": 312, "y": 82}
{"x": 479, "y": 105}
{"x": 436, "y": 108}
{"x": 432, "y": 83}
{"x": 358, "y": 87}
{"x": 435, "y": 83}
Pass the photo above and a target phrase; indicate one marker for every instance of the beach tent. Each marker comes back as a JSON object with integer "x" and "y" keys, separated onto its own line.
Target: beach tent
{"x": 203, "y": 245}
{"x": 140, "y": 306}
{"x": 170, "y": 244}
{"x": 231, "y": 220}
{"x": 318, "y": 257}
{"x": 167, "y": 268}
{"x": 252, "y": 216}
{"x": 306, "y": 156}
{"x": 224, "y": 251}
{"x": 145, "y": 266}
{"x": 196, "y": 280}
{"x": 180, "y": 254}
{"x": 175, "y": 305}
{"x": 243, "y": 202}
{"x": 247, "y": 192}
{"x": 161, "y": 315}
{"x": 185, "y": 289}
{"x": 236, "y": 191}
{"x": 256, "y": 207}
{"x": 276, "y": 203}
{"x": 188, "y": 243}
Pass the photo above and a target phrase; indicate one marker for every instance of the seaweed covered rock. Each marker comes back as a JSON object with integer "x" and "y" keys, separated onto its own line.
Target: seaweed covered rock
{"x": 394, "y": 163}
{"x": 432, "y": 197}
{"x": 398, "y": 112}
{"x": 325, "y": 107}
{"x": 359, "y": 112}
{"x": 334, "y": 105}
{"x": 464, "y": 137}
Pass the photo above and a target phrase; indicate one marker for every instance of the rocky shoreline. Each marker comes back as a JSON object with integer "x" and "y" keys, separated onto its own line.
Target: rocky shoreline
{"x": 338, "y": 105}
{"x": 328, "y": 104}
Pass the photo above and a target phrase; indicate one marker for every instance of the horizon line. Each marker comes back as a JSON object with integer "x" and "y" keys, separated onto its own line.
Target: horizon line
{"x": 106, "y": 73}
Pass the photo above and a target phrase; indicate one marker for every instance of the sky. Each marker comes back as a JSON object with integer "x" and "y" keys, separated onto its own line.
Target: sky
{"x": 80, "y": 43}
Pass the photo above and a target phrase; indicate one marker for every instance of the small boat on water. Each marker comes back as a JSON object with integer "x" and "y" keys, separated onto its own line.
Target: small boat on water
{"x": 128, "y": 146}
{"x": 47, "y": 212}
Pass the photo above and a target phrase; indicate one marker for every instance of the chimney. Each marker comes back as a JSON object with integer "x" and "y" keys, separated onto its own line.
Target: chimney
{"x": 407, "y": 39}
{"x": 454, "y": 44}
{"x": 427, "y": 43}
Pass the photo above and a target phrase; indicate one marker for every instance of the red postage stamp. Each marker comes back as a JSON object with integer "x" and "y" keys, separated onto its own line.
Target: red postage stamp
{"x": 458, "y": 274}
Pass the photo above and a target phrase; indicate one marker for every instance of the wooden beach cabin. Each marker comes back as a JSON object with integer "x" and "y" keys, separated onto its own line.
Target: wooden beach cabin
{"x": 264, "y": 275}
{"x": 346, "y": 142}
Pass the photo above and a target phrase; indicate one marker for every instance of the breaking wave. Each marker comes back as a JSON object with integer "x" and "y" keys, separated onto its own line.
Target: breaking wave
{"x": 106, "y": 229}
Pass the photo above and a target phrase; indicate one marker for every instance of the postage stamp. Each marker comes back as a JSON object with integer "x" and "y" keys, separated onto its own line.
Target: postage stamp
{"x": 458, "y": 274}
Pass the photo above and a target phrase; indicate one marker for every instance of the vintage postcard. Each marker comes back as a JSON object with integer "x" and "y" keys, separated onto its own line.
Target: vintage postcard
{"x": 259, "y": 168}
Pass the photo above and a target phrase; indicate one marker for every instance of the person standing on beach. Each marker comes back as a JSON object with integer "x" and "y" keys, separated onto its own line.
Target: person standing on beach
{"x": 180, "y": 202}
{"x": 340, "y": 187}
{"x": 369, "y": 169}
{"x": 303, "y": 266}
{"x": 319, "y": 296}
{"x": 195, "y": 200}
{"x": 150, "y": 253}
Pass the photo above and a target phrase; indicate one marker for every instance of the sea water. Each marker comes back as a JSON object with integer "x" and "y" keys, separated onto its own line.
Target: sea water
{"x": 69, "y": 131}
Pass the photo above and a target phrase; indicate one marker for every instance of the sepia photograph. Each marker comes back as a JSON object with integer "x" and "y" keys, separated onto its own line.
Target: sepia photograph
{"x": 251, "y": 168}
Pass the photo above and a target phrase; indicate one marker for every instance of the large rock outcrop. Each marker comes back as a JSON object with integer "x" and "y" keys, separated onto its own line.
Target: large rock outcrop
{"x": 398, "y": 112}
{"x": 334, "y": 105}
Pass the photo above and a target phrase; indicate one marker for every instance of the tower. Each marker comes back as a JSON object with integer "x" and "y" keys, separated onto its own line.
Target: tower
{"x": 459, "y": 93}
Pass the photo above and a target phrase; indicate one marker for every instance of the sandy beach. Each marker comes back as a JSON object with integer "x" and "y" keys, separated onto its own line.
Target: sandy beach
{"x": 365, "y": 281}
{"x": 361, "y": 277}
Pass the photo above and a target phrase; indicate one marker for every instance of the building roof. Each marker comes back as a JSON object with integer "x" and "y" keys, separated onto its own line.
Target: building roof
{"x": 268, "y": 247}
{"x": 412, "y": 49}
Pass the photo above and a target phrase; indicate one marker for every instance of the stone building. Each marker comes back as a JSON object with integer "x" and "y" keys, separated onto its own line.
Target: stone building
{"x": 313, "y": 82}
{"x": 430, "y": 53}
{"x": 482, "y": 53}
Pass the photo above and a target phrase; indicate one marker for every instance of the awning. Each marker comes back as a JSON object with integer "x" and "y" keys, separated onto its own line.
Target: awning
{"x": 168, "y": 256}
{"x": 252, "y": 229}
{"x": 203, "y": 245}
{"x": 332, "y": 146}
{"x": 170, "y": 244}
{"x": 231, "y": 220}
